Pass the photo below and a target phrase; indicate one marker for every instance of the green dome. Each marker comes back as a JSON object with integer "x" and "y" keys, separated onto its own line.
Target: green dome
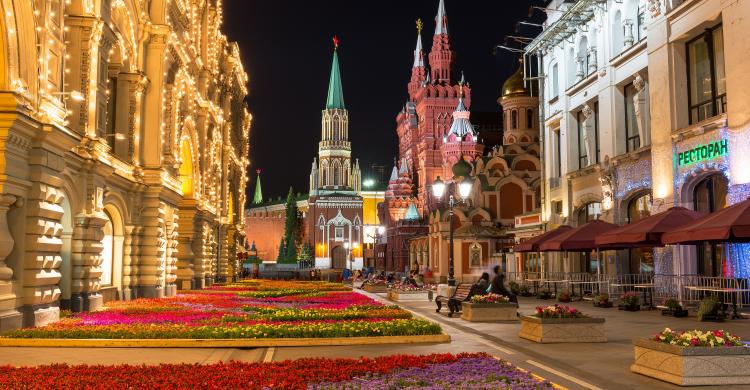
{"x": 461, "y": 168}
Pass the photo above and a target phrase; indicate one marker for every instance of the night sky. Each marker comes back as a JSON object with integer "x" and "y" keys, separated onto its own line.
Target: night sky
{"x": 286, "y": 49}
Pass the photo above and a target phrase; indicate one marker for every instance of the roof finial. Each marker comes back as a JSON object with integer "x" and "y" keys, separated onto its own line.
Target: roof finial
{"x": 419, "y": 26}
{"x": 335, "y": 42}
{"x": 461, "y": 84}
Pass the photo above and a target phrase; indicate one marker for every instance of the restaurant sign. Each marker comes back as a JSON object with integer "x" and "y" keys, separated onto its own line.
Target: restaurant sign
{"x": 703, "y": 152}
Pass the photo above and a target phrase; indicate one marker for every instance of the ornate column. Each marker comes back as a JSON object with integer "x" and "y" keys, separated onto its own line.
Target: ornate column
{"x": 43, "y": 241}
{"x": 589, "y": 138}
{"x": 189, "y": 248}
{"x": 129, "y": 267}
{"x": 593, "y": 65}
{"x": 641, "y": 110}
{"x": 171, "y": 254}
{"x": 222, "y": 257}
{"x": 580, "y": 72}
{"x": 627, "y": 25}
{"x": 151, "y": 259}
{"x": 152, "y": 116}
{"x": 86, "y": 260}
{"x": 84, "y": 33}
{"x": 10, "y": 318}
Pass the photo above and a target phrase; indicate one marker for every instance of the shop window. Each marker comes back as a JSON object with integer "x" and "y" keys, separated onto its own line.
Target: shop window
{"x": 641, "y": 259}
{"x": 632, "y": 136}
{"x": 707, "y": 95}
{"x": 710, "y": 195}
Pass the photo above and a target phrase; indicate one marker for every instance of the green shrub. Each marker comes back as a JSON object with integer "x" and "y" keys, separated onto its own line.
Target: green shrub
{"x": 709, "y": 307}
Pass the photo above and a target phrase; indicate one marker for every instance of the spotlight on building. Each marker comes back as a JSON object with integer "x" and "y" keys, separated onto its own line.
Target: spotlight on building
{"x": 368, "y": 183}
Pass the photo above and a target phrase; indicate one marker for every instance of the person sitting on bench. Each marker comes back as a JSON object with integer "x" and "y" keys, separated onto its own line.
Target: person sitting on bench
{"x": 498, "y": 285}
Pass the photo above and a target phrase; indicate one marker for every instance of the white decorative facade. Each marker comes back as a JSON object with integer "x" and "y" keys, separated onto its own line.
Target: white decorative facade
{"x": 645, "y": 108}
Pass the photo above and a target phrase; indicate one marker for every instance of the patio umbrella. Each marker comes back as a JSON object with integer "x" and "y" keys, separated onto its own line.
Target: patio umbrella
{"x": 580, "y": 239}
{"x": 532, "y": 244}
{"x": 648, "y": 231}
{"x": 731, "y": 224}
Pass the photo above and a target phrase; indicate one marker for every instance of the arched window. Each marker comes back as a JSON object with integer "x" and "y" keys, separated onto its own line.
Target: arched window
{"x": 589, "y": 212}
{"x": 710, "y": 195}
{"x": 514, "y": 119}
{"x": 529, "y": 118}
{"x": 336, "y": 174}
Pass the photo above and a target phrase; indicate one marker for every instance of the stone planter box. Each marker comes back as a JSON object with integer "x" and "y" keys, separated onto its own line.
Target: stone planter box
{"x": 562, "y": 330}
{"x": 405, "y": 296}
{"x": 692, "y": 366}
{"x": 475, "y": 312}
{"x": 375, "y": 288}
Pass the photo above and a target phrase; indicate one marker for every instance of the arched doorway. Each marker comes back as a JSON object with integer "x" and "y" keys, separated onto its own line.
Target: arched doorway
{"x": 710, "y": 195}
{"x": 338, "y": 257}
{"x": 112, "y": 253}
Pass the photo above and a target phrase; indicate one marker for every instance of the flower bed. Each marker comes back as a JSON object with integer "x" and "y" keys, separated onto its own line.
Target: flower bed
{"x": 558, "y": 311}
{"x": 489, "y": 307}
{"x": 693, "y": 358}
{"x": 401, "y": 292}
{"x": 561, "y": 324}
{"x": 397, "y": 371}
{"x": 284, "y": 310}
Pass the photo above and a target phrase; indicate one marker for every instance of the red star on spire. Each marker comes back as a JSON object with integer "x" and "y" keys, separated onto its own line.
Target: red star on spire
{"x": 257, "y": 171}
{"x": 335, "y": 42}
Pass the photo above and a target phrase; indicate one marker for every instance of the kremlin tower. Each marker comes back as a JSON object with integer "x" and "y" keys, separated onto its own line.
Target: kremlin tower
{"x": 427, "y": 115}
{"x": 334, "y": 218}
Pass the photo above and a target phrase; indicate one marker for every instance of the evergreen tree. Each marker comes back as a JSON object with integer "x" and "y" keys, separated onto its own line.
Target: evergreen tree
{"x": 282, "y": 251}
{"x": 291, "y": 227}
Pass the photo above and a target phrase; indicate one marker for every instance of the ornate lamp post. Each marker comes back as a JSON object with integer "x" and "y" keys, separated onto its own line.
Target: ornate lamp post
{"x": 464, "y": 191}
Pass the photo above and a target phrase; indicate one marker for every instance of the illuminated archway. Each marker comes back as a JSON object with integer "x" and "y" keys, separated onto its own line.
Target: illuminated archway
{"x": 186, "y": 168}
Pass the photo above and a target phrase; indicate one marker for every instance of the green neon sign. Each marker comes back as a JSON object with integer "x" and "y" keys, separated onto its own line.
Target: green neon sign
{"x": 704, "y": 152}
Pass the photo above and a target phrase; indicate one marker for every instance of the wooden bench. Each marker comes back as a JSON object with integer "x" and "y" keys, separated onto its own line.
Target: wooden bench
{"x": 462, "y": 293}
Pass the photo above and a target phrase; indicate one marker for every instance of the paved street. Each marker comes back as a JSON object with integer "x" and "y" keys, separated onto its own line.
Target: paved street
{"x": 576, "y": 366}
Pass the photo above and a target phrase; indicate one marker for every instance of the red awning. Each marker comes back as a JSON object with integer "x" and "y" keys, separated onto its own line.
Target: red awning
{"x": 532, "y": 244}
{"x": 578, "y": 239}
{"x": 648, "y": 231}
{"x": 731, "y": 224}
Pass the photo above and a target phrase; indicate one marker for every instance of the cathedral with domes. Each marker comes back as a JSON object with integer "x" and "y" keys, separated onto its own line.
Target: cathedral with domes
{"x": 438, "y": 139}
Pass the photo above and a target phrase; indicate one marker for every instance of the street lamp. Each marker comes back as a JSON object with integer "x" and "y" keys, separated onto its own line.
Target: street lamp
{"x": 464, "y": 191}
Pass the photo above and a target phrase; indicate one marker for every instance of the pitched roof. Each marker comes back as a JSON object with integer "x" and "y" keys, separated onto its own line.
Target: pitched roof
{"x": 335, "y": 89}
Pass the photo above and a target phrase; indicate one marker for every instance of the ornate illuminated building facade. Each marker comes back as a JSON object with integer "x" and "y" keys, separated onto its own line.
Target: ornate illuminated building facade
{"x": 438, "y": 139}
{"x": 632, "y": 98}
{"x": 123, "y": 143}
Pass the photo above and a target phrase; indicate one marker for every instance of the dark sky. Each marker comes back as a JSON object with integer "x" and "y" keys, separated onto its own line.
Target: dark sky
{"x": 286, "y": 50}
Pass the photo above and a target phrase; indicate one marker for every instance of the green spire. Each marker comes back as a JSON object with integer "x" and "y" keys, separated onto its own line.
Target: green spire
{"x": 335, "y": 90}
{"x": 258, "y": 197}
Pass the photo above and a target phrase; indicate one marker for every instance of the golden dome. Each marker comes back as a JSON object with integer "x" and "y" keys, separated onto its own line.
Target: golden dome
{"x": 514, "y": 84}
